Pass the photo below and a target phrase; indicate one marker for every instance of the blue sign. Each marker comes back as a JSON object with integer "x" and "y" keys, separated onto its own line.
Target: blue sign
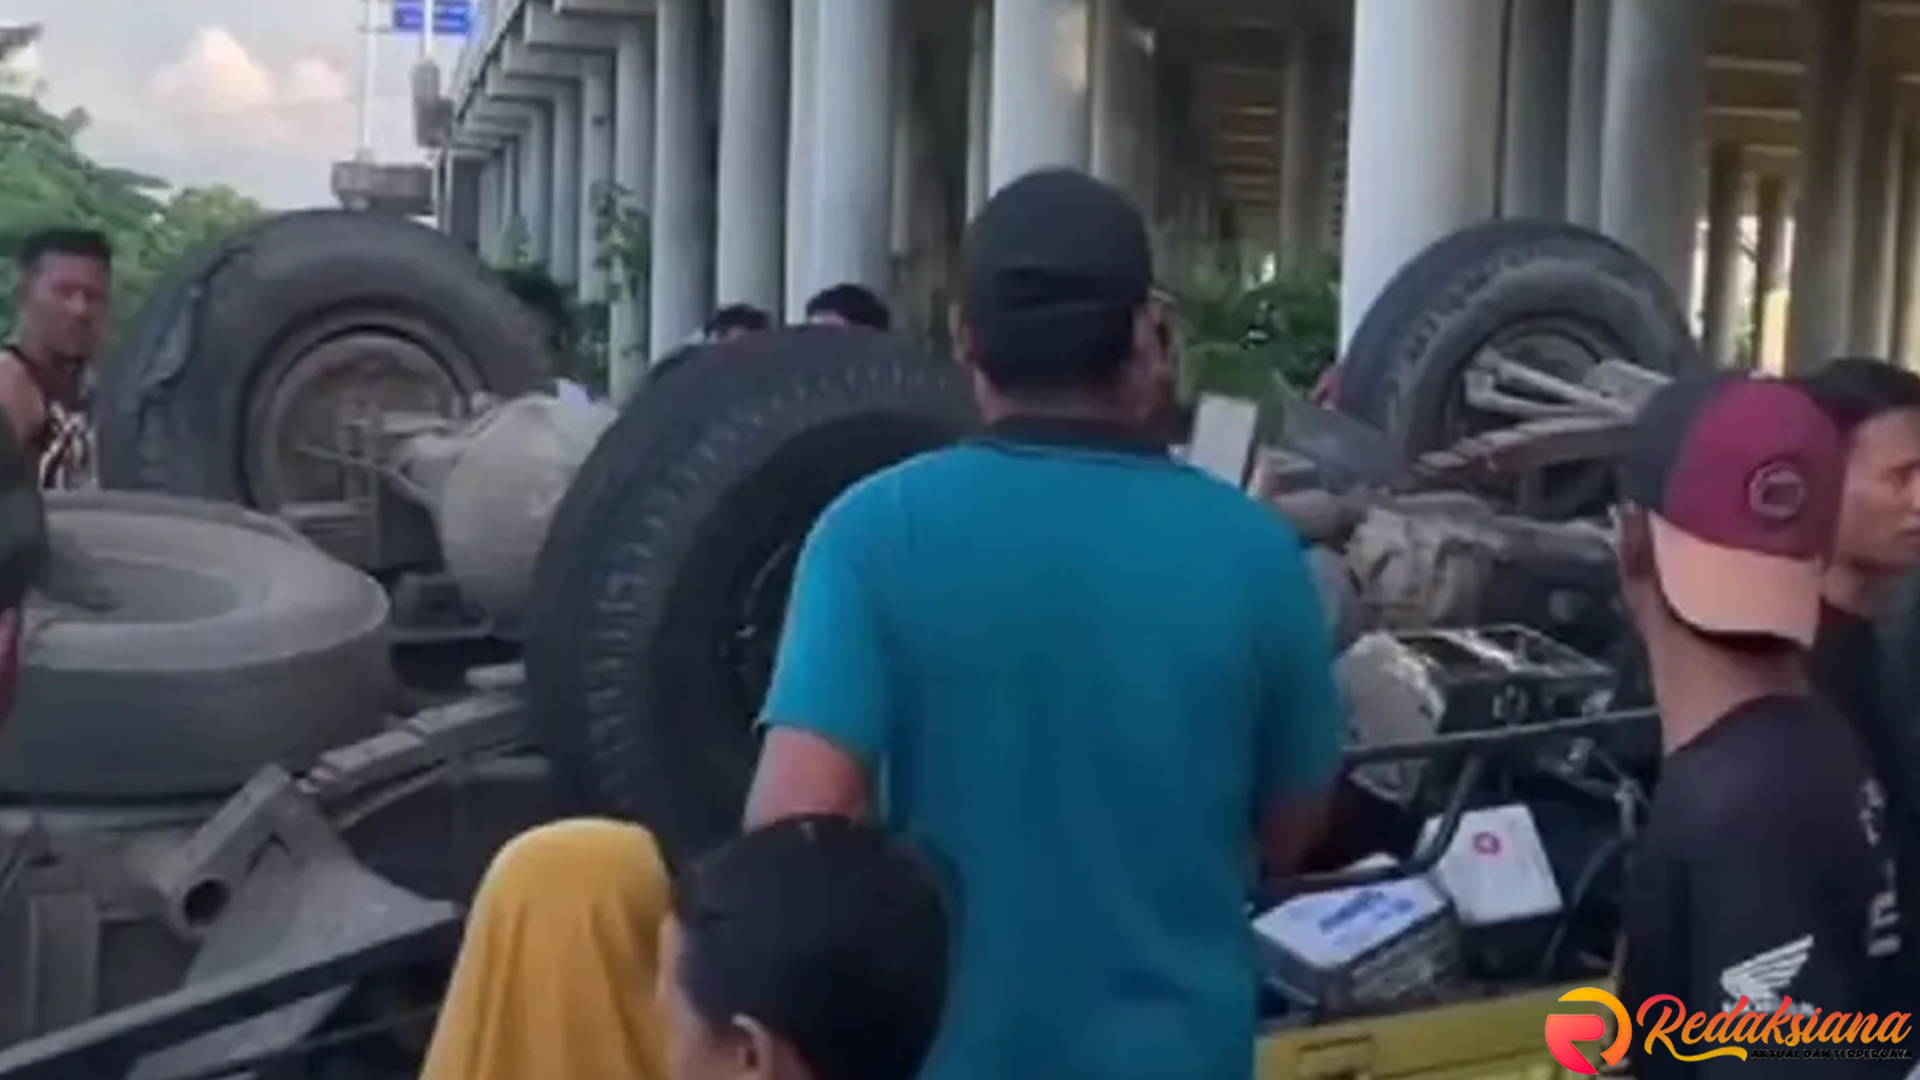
{"x": 451, "y": 18}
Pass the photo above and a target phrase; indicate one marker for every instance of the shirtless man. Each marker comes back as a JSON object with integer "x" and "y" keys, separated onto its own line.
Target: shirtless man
{"x": 65, "y": 285}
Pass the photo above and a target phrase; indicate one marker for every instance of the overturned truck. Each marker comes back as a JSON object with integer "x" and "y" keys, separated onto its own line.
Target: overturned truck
{"x": 233, "y": 843}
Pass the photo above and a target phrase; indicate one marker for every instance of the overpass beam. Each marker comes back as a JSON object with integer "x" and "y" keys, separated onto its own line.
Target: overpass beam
{"x": 1720, "y": 303}
{"x": 682, "y": 277}
{"x": 1870, "y": 303}
{"x": 1533, "y": 169}
{"x": 1830, "y": 146}
{"x": 1039, "y": 113}
{"x": 751, "y": 224}
{"x": 1421, "y": 135}
{"x": 1650, "y": 154}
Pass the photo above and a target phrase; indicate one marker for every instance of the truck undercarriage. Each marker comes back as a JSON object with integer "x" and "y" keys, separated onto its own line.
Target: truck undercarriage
{"x": 263, "y": 875}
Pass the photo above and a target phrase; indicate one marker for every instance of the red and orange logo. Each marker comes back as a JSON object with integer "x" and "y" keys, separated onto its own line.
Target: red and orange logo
{"x": 1721, "y": 1034}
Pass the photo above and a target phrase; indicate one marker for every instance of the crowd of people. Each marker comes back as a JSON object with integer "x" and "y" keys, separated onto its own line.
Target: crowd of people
{"x": 1046, "y": 699}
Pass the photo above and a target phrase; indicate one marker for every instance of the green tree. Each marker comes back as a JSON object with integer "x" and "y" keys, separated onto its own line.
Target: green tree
{"x": 1252, "y": 338}
{"x": 46, "y": 180}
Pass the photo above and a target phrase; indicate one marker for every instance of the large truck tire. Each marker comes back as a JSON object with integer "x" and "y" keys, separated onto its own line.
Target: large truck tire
{"x": 1545, "y": 292}
{"x": 659, "y": 591}
{"x": 210, "y": 641}
{"x": 248, "y": 359}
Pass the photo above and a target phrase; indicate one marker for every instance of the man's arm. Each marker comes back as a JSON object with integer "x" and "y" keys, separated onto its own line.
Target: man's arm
{"x": 1301, "y": 723}
{"x": 831, "y": 701}
{"x": 1771, "y": 917}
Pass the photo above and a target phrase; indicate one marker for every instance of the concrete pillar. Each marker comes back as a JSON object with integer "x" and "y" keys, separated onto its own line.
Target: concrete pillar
{"x": 1720, "y": 304}
{"x": 1533, "y": 168}
{"x": 853, "y": 148}
{"x": 1107, "y": 73}
{"x": 564, "y": 263}
{"x": 1770, "y": 207}
{"x": 1649, "y": 162}
{"x": 596, "y": 167}
{"x": 909, "y": 145}
{"x": 1307, "y": 106}
{"x": 536, "y": 186}
{"x": 753, "y": 141}
{"x": 1906, "y": 257}
{"x": 802, "y": 143}
{"x": 633, "y": 116}
{"x": 1038, "y": 117}
{"x": 1421, "y": 135}
{"x": 979, "y": 99}
{"x": 1870, "y": 300}
{"x": 491, "y": 185}
{"x": 1587, "y": 109}
{"x": 682, "y": 245}
{"x": 1830, "y": 150}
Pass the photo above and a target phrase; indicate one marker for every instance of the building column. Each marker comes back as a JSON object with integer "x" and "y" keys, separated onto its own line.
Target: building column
{"x": 564, "y": 265}
{"x": 633, "y": 116}
{"x": 1587, "y": 109}
{"x": 682, "y": 243}
{"x": 1720, "y": 305}
{"x": 1650, "y": 162}
{"x": 491, "y": 177}
{"x": 1830, "y": 143}
{"x": 1533, "y": 171}
{"x": 536, "y": 185}
{"x": 851, "y": 195}
{"x": 979, "y": 104}
{"x": 1107, "y": 91}
{"x": 1039, "y": 112}
{"x": 753, "y": 141}
{"x": 1421, "y": 134}
{"x": 802, "y": 138}
{"x": 1770, "y": 207}
{"x": 1307, "y": 106}
{"x": 1870, "y": 300}
{"x": 1906, "y": 256}
{"x": 596, "y": 170}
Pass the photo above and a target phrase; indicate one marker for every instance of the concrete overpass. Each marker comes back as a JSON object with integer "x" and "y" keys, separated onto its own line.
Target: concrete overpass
{"x": 778, "y": 146}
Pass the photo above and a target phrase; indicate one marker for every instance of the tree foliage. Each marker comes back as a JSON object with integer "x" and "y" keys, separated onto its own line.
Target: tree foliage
{"x": 1251, "y": 339}
{"x": 45, "y": 180}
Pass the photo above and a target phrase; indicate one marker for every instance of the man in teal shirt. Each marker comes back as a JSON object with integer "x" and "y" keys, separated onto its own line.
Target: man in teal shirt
{"x": 1092, "y": 679}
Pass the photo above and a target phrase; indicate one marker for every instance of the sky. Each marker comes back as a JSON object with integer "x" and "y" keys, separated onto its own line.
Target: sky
{"x": 257, "y": 94}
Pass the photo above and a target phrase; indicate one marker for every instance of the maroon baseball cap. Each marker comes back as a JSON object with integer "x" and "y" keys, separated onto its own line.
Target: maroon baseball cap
{"x": 1740, "y": 479}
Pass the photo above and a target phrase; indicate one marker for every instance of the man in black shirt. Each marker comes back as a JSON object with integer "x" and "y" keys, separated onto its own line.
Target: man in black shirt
{"x": 1876, "y": 406}
{"x": 1762, "y": 883}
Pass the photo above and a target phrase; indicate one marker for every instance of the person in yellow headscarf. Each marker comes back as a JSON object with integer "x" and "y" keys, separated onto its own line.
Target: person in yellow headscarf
{"x": 556, "y": 977}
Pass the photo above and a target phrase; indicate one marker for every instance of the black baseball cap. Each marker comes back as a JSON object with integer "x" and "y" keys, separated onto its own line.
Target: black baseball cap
{"x": 1741, "y": 479}
{"x": 1052, "y": 258}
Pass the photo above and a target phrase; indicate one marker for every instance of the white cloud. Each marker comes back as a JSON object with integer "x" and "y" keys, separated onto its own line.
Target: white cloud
{"x": 219, "y": 82}
{"x": 259, "y": 96}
